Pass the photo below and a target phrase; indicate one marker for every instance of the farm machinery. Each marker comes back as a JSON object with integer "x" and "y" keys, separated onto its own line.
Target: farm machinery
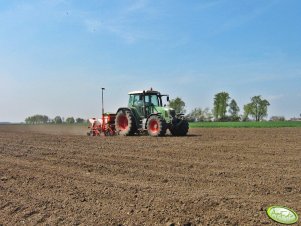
{"x": 145, "y": 113}
{"x": 105, "y": 125}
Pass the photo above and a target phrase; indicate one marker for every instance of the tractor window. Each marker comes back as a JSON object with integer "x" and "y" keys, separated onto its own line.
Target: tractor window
{"x": 135, "y": 100}
{"x": 153, "y": 99}
{"x": 131, "y": 100}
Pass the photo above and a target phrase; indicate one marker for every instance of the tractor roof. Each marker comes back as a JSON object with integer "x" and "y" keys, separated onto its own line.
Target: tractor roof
{"x": 146, "y": 91}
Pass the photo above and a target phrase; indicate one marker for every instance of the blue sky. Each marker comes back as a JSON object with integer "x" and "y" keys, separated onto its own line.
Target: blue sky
{"x": 55, "y": 55}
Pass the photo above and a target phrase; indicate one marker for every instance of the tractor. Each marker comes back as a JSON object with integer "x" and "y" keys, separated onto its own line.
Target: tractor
{"x": 146, "y": 113}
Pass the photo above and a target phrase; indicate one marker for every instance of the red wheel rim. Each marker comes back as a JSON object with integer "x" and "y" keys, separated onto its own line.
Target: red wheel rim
{"x": 154, "y": 126}
{"x": 123, "y": 122}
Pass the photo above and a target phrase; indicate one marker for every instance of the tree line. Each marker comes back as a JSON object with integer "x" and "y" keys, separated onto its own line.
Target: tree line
{"x": 44, "y": 119}
{"x": 226, "y": 108}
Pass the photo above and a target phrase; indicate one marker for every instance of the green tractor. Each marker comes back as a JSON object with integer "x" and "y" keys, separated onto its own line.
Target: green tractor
{"x": 145, "y": 112}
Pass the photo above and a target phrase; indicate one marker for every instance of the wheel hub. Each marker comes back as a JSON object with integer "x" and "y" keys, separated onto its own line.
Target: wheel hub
{"x": 154, "y": 126}
{"x": 123, "y": 122}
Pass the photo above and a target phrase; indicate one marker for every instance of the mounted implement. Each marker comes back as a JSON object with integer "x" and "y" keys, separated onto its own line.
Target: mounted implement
{"x": 145, "y": 112}
{"x": 105, "y": 125}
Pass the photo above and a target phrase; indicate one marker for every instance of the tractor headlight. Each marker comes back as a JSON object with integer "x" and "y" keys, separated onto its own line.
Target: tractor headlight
{"x": 166, "y": 114}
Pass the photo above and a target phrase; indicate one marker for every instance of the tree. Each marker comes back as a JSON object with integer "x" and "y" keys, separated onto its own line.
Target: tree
{"x": 198, "y": 114}
{"x": 58, "y": 120}
{"x": 247, "y": 111}
{"x": 234, "y": 110}
{"x": 207, "y": 114}
{"x": 220, "y": 105}
{"x": 178, "y": 104}
{"x": 79, "y": 120}
{"x": 37, "y": 119}
{"x": 70, "y": 120}
{"x": 259, "y": 108}
{"x": 28, "y": 120}
{"x": 45, "y": 119}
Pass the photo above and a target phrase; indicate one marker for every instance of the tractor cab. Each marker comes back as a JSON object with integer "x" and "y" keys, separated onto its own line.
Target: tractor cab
{"x": 145, "y": 102}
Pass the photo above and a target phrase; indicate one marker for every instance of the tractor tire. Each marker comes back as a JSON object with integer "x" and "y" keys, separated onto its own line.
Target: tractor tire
{"x": 125, "y": 123}
{"x": 180, "y": 128}
{"x": 156, "y": 126}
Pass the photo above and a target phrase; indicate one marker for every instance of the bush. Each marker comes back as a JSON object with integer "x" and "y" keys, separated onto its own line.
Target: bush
{"x": 70, "y": 120}
{"x": 277, "y": 118}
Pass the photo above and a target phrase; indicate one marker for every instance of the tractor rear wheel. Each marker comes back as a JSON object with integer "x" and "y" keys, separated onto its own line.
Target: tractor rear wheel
{"x": 125, "y": 123}
{"x": 156, "y": 126}
{"x": 179, "y": 128}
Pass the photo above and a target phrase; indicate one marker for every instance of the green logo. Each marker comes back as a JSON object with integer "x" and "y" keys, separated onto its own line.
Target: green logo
{"x": 282, "y": 214}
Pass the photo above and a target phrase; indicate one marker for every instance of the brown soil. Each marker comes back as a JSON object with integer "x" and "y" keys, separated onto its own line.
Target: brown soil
{"x": 211, "y": 177}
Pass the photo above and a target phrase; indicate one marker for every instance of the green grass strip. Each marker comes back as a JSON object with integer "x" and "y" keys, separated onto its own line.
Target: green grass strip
{"x": 244, "y": 124}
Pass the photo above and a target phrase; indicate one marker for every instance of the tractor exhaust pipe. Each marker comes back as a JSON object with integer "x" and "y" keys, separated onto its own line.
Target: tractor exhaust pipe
{"x": 144, "y": 107}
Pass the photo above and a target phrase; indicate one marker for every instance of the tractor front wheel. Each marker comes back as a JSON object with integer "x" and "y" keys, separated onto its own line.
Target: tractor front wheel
{"x": 125, "y": 123}
{"x": 156, "y": 126}
{"x": 179, "y": 128}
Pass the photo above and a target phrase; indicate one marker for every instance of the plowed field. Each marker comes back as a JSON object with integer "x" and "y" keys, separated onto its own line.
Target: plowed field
{"x": 57, "y": 176}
